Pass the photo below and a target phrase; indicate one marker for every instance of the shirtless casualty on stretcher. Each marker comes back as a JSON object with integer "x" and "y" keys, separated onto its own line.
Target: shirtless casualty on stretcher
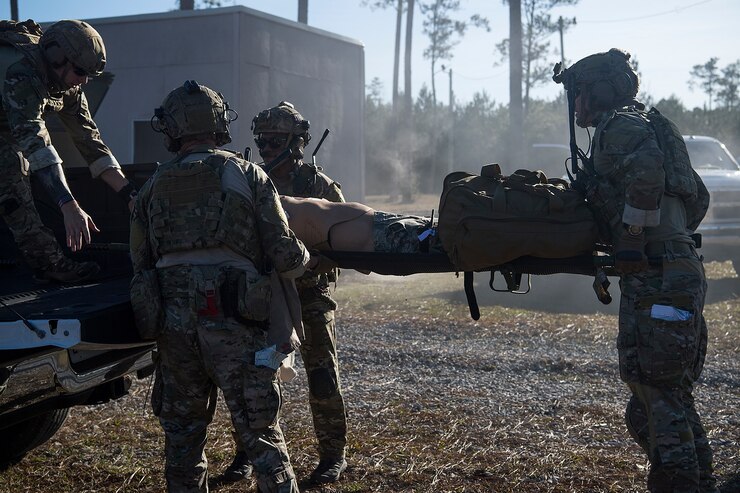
{"x": 355, "y": 227}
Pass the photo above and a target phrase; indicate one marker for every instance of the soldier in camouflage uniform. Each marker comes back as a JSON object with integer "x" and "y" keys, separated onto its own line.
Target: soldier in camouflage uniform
{"x": 640, "y": 183}
{"x": 281, "y": 132}
{"x": 44, "y": 73}
{"x": 209, "y": 223}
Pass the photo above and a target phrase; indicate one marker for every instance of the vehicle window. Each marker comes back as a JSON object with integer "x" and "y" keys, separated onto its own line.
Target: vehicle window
{"x": 710, "y": 155}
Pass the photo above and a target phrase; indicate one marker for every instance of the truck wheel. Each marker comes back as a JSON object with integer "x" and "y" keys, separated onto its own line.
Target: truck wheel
{"x": 20, "y": 438}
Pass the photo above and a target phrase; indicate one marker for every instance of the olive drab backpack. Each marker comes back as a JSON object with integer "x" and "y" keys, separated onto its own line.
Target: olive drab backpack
{"x": 24, "y": 36}
{"x": 681, "y": 179}
{"x": 13, "y": 32}
{"x": 491, "y": 219}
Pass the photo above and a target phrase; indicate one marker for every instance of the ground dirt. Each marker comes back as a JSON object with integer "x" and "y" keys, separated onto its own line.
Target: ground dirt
{"x": 526, "y": 399}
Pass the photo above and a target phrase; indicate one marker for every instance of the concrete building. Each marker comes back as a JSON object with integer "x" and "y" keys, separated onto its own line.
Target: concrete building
{"x": 256, "y": 60}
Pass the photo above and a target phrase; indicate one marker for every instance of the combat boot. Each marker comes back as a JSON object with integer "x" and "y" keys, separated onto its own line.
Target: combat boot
{"x": 66, "y": 271}
{"x": 328, "y": 470}
{"x": 239, "y": 469}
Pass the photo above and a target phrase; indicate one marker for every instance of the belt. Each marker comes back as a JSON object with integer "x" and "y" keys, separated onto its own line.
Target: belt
{"x": 661, "y": 248}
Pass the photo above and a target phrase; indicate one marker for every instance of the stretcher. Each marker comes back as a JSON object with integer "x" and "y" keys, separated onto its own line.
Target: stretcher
{"x": 598, "y": 265}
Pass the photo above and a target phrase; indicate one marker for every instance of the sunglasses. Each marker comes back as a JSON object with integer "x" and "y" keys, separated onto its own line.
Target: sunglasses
{"x": 273, "y": 142}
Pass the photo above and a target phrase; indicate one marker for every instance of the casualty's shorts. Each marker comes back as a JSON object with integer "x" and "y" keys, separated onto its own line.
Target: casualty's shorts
{"x": 398, "y": 233}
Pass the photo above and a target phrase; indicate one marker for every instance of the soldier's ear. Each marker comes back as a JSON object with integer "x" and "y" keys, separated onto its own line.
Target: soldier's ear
{"x": 602, "y": 96}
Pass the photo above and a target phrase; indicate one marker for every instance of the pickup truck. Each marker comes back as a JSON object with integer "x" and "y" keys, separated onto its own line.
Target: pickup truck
{"x": 65, "y": 346}
{"x": 720, "y": 172}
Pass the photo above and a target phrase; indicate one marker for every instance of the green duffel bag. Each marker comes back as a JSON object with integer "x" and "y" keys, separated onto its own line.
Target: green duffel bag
{"x": 490, "y": 219}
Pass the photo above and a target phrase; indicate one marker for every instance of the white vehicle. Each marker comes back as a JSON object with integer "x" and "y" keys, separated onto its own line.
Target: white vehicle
{"x": 720, "y": 172}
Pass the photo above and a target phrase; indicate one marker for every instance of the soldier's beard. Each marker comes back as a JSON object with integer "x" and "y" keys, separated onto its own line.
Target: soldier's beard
{"x": 583, "y": 119}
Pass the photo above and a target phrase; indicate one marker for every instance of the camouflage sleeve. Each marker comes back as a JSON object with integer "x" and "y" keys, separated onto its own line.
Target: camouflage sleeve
{"x": 23, "y": 102}
{"x": 330, "y": 190}
{"x": 630, "y": 156}
{"x": 288, "y": 255}
{"x": 76, "y": 117}
{"x": 141, "y": 255}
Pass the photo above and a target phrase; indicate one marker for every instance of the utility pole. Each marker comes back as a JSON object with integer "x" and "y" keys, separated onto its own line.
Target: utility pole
{"x": 562, "y": 51}
{"x": 303, "y": 11}
{"x": 14, "y": 10}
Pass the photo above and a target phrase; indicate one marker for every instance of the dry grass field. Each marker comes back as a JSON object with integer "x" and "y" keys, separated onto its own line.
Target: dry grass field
{"x": 526, "y": 399}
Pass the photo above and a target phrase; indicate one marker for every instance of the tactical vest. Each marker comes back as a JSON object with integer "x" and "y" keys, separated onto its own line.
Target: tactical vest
{"x": 25, "y": 36}
{"x": 189, "y": 210}
{"x": 304, "y": 180}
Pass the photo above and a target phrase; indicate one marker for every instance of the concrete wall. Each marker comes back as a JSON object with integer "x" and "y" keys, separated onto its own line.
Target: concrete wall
{"x": 255, "y": 60}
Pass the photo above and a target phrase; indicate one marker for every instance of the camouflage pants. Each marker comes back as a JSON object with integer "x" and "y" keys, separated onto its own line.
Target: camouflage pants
{"x": 35, "y": 241}
{"x": 202, "y": 350}
{"x": 660, "y": 360}
{"x": 319, "y": 353}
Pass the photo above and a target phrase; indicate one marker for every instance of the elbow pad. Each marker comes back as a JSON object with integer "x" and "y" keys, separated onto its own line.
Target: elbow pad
{"x": 53, "y": 181}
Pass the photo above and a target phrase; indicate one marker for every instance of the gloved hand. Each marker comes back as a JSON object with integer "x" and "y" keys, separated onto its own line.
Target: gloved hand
{"x": 321, "y": 264}
{"x": 629, "y": 253}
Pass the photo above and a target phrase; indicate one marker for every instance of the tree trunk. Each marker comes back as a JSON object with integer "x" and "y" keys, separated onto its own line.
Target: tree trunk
{"x": 516, "y": 120}
{"x": 434, "y": 86}
{"x": 397, "y": 55}
{"x": 407, "y": 57}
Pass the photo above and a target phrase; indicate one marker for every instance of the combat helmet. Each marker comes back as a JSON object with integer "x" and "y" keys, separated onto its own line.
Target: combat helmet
{"x": 612, "y": 67}
{"x": 76, "y": 42}
{"x": 283, "y": 118}
{"x": 193, "y": 110}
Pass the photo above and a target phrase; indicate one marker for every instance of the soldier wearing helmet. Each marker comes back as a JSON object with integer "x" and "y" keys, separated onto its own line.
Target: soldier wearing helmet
{"x": 281, "y": 134}
{"x": 210, "y": 240}
{"x": 44, "y": 72}
{"x": 643, "y": 191}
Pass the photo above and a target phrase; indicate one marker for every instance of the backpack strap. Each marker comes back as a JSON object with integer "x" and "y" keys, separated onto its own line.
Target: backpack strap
{"x": 470, "y": 295}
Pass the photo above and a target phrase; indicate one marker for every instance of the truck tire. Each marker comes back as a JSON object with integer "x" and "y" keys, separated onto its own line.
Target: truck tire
{"x": 20, "y": 438}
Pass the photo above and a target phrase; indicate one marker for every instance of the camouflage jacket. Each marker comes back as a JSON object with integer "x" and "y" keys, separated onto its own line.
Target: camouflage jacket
{"x": 28, "y": 93}
{"x": 308, "y": 181}
{"x": 629, "y": 180}
{"x": 277, "y": 242}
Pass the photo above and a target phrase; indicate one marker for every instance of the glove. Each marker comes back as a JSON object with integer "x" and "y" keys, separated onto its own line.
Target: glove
{"x": 629, "y": 253}
{"x": 321, "y": 264}
{"x": 269, "y": 357}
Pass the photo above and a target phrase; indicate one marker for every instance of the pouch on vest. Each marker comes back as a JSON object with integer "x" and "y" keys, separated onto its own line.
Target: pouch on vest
{"x": 491, "y": 219}
{"x": 146, "y": 302}
{"x": 254, "y": 296}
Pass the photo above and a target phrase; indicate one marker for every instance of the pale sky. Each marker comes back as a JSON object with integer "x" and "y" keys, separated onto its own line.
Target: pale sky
{"x": 667, "y": 37}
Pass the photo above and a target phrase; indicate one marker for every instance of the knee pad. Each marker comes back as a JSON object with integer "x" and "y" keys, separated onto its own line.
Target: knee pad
{"x": 322, "y": 384}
